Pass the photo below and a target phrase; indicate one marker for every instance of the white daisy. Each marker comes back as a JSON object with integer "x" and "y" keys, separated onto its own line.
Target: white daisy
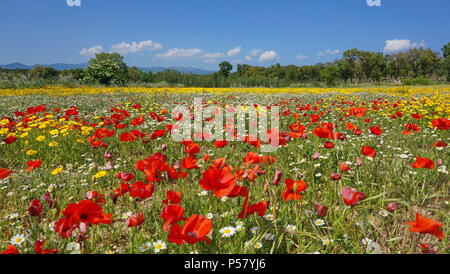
{"x": 227, "y": 231}
{"x": 145, "y": 247}
{"x": 159, "y": 245}
{"x": 291, "y": 228}
{"x": 18, "y": 239}
{"x": 327, "y": 241}
{"x": 319, "y": 222}
{"x": 269, "y": 236}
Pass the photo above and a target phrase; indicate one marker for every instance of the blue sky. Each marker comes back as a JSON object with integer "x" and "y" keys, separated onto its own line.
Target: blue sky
{"x": 201, "y": 33}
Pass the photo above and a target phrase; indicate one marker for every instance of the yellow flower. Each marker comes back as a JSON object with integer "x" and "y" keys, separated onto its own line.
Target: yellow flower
{"x": 40, "y": 138}
{"x": 100, "y": 174}
{"x": 53, "y": 144}
{"x": 54, "y": 132}
{"x": 31, "y": 152}
{"x": 57, "y": 170}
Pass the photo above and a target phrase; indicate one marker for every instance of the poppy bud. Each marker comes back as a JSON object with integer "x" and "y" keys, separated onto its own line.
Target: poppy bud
{"x": 321, "y": 209}
{"x": 277, "y": 177}
{"x": 391, "y": 207}
{"x": 335, "y": 176}
{"x": 163, "y": 147}
{"x": 358, "y": 161}
{"x": 35, "y": 208}
{"x": 316, "y": 156}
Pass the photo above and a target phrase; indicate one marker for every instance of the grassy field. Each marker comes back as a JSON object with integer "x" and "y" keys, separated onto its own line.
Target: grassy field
{"x": 345, "y": 179}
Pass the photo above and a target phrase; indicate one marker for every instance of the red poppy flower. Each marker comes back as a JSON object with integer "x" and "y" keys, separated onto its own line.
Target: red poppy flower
{"x": 125, "y": 176}
{"x": 368, "y": 151}
{"x": 142, "y": 190}
{"x": 194, "y": 230}
{"x": 135, "y": 219}
{"x": 441, "y": 124}
{"x": 422, "y": 162}
{"x": 4, "y": 173}
{"x": 35, "y": 208}
{"x": 440, "y": 144}
{"x": 248, "y": 210}
{"x": 127, "y": 137}
{"x": 252, "y": 158}
{"x": 38, "y": 248}
{"x": 9, "y": 140}
{"x": 191, "y": 148}
{"x": 293, "y": 189}
{"x": 328, "y": 144}
{"x": 376, "y": 130}
{"x": 344, "y": 168}
{"x": 222, "y": 143}
{"x": 96, "y": 197}
{"x": 350, "y": 126}
{"x": 10, "y": 250}
{"x": 426, "y": 226}
{"x": 172, "y": 214}
{"x": 220, "y": 180}
{"x": 137, "y": 121}
{"x": 33, "y": 165}
{"x": 326, "y": 131}
{"x": 351, "y": 196}
{"x": 122, "y": 190}
{"x": 172, "y": 197}
{"x": 189, "y": 162}
{"x": 86, "y": 212}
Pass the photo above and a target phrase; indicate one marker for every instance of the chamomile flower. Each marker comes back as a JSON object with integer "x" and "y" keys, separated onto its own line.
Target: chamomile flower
{"x": 269, "y": 236}
{"x": 269, "y": 217}
{"x": 145, "y": 247}
{"x": 227, "y": 231}
{"x": 159, "y": 245}
{"x": 254, "y": 229}
{"x": 327, "y": 241}
{"x": 290, "y": 228}
{"x": 203, "y": 193}
{"x": 18, "y": 239}
{"x": 210, "y": 216}
{"x": 257, "y": 245}
{"x": 319, "y": 222}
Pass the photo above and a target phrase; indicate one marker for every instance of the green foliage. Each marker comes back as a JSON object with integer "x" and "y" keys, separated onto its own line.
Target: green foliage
{"x": 225, "y": 68}
{"x": 417, "y": 81}
{"x": 42, "y": 73}
{"x": 106, "y": 69}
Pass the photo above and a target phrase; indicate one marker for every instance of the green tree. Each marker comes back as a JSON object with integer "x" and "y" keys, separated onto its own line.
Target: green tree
{"x": 445, "y": 64}
{"x": 225, "y": 68}
{"x": 43, "y": 73}
{"x": 106, "y": 69}
{"x": 330, "y": 74}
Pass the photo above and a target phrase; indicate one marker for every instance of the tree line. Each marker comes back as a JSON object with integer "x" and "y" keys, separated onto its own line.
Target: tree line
{"x": 414, "y": 66}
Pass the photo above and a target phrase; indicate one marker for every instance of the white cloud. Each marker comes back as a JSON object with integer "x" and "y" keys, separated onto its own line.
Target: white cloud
{"x": 268, "y": 56}
{"x": 125, "y": 48}
{"x": 179, "y": 53}
{"x": 212, "y": 55}
{"x": 301, "y": 57}
{"x": 254, "y": 52}
{"x": 233, "y": 52}
{"x": 248, "y": 58}
{"x": 91, "y": 51}
{"x": 402, "y": 44}
{"x": 328, "y": 52}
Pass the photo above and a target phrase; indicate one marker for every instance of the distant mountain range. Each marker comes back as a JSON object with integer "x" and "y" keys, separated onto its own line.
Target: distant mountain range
{"x": 62, "y": 66}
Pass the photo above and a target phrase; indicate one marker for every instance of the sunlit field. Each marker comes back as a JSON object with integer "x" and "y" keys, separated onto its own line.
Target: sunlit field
{"x": 96, "y": 170}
